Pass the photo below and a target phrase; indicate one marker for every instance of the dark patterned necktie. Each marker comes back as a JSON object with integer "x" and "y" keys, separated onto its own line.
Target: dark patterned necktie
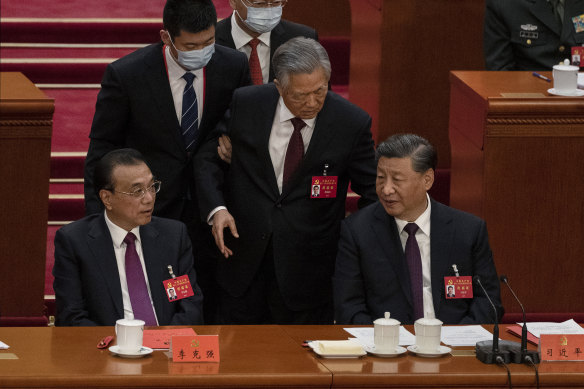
{"x": 294, "y": 152}
{"x": 137, "y": 288}
{"x": 190, "y": 112}
{"x": 255, "y": 68}
{"x": 414, "y": 260}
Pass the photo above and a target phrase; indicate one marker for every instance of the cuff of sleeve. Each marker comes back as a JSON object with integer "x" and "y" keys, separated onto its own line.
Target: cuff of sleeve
{"x": 212, "y": 213}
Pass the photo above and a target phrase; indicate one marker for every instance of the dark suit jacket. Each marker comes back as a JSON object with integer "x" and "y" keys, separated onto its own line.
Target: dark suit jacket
{"x": 303, "y": 231}
{"x": 371, "y": 273}
{"x": 87, "y": 283}
{"x": 135, "y": 109}
{"x": 284, "y": 31}
{"x": 525, "y": 35}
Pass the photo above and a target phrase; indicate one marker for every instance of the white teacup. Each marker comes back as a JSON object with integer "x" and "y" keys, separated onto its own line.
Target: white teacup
{"x": 129, "y": 335}
{"x": 386, "y": 334}
{"x": 428, "y": 334}
{"x": 565, "y": 78}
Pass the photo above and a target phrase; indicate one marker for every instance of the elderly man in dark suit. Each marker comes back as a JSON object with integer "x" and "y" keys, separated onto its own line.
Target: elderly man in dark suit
{"x": 394, "y": 255}
{"x": 531, "y": 34}
{"x": 164, "y": 100}
{"x": 256, "y": 28}
{"x": 112, "y": 265}
{"x": 279, "y": 262}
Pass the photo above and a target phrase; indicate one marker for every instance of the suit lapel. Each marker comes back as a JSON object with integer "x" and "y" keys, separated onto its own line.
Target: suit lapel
{"x": 101, "y": 245}
{"x": 441, "y": 241}
{"x": 277, "y": 37}
{"x": 265, "y": 118}
{"x": 224, "y": 34}
{"x": 541, "y": 9}
{"x": 388, "y": 237}
{"x": 153, "y": 251}
{"x": 159, "y": 85}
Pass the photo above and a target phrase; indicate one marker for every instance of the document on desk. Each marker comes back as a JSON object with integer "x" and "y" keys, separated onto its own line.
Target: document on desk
{"x": 566, "y": 327}
{"x": 365, "y": 336}
{"x": 464, "y": 335}
{"x": 3, "y": 346}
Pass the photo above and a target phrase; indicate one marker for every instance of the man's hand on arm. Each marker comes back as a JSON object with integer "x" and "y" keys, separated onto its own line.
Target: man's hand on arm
{"x": 221, "y": 220}
{"x": 224, "y": 148}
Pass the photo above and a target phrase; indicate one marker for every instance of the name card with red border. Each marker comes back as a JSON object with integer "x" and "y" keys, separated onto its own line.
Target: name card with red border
{"x": 557, "y": 347}
{"x": 200, "y": 348}
{"x": 160, "y": 339}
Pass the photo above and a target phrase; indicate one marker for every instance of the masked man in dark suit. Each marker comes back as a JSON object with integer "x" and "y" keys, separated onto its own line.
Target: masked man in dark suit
{"x": 141, "y": 105}
{"x": 531, "y": 34}
{"x": 112, "y": 265}
{"x": 279, "y": 262}
{"x": 394, "y": 255}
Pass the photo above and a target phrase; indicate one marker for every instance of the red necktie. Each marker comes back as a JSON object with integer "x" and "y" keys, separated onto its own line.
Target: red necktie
{"x": 139, "y": 298}
{"x": 295, "y": 151}
{"x": 254, "y": 63}
{"x": 414, "y": 260}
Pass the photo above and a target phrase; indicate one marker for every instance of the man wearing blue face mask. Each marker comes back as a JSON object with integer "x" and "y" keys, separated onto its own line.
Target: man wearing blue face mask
{"x": 163, "y": 100}
{"x": 256, "y": 28}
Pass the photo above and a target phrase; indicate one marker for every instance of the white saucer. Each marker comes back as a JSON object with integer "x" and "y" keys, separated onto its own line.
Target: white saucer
{"x": 385, "y": 354}
{"x": 141, "y": 353}
{"x": 442, "y": 350}
{"x": 574, "y": 93}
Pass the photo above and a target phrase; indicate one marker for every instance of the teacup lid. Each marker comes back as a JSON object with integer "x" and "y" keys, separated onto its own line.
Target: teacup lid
{"x": 565, "y": 66}
{"x": 386, "y": 321}
{"x": 429, "y": 321}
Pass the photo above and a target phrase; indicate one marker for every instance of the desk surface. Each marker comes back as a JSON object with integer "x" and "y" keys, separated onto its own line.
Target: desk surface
{"x": 251, "y": 356}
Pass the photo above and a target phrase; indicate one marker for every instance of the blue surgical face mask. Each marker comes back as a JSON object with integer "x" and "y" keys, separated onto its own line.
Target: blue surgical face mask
{"x": 262, "y": 20}
{"x": 194, "y": 59}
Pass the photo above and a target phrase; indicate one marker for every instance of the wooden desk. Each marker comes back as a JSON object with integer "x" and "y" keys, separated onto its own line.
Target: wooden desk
{"x": 517, "y": 162}
{"x": 251, "y": 356}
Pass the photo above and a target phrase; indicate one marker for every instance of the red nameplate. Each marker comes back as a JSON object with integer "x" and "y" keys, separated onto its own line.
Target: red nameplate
{"x": 160, "y": 339}
{"x": 200, "y": 348}
{"x": 178, "y": 288}
{"x": 458, "y": 287}
{"x": 324, "y": 187}
{"x": 556, "y": 347}
{"x": 578, "y": 55}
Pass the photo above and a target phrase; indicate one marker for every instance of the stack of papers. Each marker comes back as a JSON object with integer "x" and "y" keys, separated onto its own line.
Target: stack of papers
{"x": 464, "y": 335}
{"x": 567, "y": 327}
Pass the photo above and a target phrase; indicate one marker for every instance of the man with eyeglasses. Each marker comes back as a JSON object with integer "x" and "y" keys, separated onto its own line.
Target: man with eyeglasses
{"x": 111, "y": 265}
{"x": 256, "y": 28}
{"x": 280, "y": 243}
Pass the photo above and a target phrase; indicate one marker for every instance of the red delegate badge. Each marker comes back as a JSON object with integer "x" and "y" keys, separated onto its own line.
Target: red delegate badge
{"x": 458, "y": 287}
{"x": 324, "y": 187}
{"x": 178, "y": 288}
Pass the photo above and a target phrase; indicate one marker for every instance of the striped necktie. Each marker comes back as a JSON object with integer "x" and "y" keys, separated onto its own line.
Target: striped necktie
{"x": 190, "y": 113}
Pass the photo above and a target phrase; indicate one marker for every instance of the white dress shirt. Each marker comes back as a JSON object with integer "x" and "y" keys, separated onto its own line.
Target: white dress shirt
{"x": 177, "y": 84}
{"x": 118, "y": 235}
{"x": 282, "y": 130}
{"x": 423, "y": 238}
{"x": 241, "y": 40}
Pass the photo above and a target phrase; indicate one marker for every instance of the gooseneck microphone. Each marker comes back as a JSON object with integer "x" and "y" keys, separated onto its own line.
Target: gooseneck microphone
{"x": 524, "y": 355}
{"x": 488, "y": 351}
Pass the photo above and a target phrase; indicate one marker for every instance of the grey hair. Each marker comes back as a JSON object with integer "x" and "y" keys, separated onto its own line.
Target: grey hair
{"x": 421, "y": 152}
{"x": 300, "y": 55}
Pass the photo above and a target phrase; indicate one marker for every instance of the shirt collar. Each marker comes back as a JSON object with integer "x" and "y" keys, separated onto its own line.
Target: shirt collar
{"x": 242, "y": 38}
{"x": 175, "y": 71}
{"x": 285, "y": 114}
{"x": 118, "y": 233}
{"x": 423, "y": 221}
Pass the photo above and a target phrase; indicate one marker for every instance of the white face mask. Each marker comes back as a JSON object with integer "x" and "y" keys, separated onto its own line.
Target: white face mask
{"x": 262, "y": 20}
{"x": 194, "y": 59}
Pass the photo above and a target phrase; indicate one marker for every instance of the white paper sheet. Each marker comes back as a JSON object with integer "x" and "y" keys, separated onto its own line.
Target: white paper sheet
{"x": 580, "y": 80}
{"x": 3, "y": 346}
{"x": 365, "y": 336}
{"x": 464, "y": 335}
{"x": 567, "y": 327}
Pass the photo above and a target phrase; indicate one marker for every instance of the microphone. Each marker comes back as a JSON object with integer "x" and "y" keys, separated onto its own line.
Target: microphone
{"x": 488, "y": 351}
{"x": 523, "y": 355}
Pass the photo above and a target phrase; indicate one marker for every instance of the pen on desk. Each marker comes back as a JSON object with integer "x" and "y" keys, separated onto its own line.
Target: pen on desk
{"x": 535, "y": 74}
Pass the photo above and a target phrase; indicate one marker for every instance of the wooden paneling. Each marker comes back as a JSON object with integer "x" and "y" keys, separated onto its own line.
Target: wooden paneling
{"x": 25, "y": 144}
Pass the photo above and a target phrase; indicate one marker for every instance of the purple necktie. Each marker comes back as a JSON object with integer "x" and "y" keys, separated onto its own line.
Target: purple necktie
{"x": 295, "y": 150}
{"x": 137, "y": 288}
{"x": 415, "y": 267}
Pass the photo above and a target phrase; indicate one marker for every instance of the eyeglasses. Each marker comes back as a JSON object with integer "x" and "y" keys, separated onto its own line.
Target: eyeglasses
{"x": 141, "y": 192}
{"x": 264, "y": 4}
{"x": 301, "y": 97}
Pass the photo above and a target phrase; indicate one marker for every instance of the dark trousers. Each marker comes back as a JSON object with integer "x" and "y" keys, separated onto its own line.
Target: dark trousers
{"x": 263, "y": 303}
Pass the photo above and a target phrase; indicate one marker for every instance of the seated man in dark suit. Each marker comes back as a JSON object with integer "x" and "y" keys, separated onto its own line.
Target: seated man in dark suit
{"x": 256, "y": 29}
{"x": 112, "y": 265}
{"x": 381, "y": 268}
